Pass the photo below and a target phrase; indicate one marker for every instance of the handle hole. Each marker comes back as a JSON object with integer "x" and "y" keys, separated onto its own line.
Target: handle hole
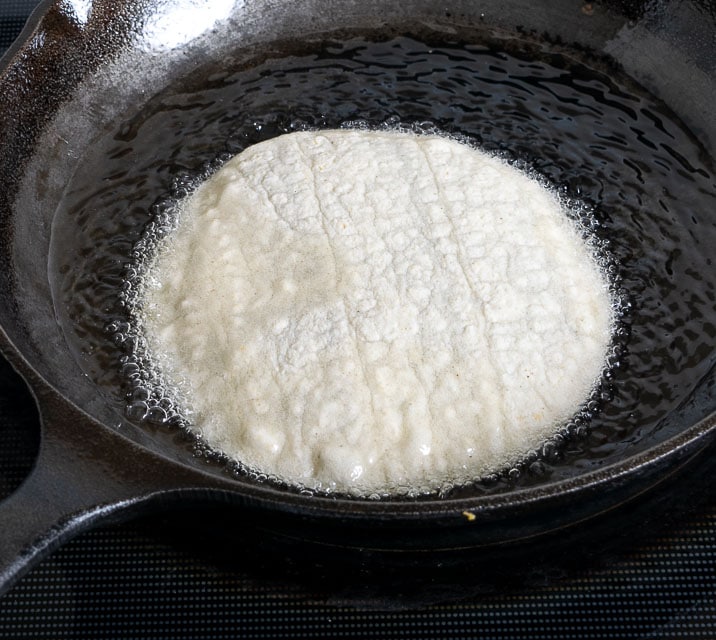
{"x": 19, "y": 430}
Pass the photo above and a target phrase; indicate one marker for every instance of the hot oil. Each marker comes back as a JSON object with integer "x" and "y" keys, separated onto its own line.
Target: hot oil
{"x": 636, "y": 178}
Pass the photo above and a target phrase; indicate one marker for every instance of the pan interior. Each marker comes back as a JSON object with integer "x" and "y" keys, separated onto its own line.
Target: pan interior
{"x": 645, "y": 185}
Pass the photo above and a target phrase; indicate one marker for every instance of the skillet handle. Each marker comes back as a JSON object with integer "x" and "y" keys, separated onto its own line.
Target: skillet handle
{"x": 84, "y": 472}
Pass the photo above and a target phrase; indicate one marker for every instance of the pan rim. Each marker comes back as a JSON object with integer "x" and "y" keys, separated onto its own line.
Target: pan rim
{"x": 693, "y": 438}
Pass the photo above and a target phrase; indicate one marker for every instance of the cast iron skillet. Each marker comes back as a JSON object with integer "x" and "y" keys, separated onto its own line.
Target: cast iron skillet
{"x": 60, "y": 88}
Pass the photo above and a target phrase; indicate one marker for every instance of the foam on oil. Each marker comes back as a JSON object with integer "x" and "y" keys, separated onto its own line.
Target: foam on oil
{"x": 357, "y": 310}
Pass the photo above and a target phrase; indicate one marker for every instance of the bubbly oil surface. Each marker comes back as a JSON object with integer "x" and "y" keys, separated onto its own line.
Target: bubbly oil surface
{"x": 639, "y": 182}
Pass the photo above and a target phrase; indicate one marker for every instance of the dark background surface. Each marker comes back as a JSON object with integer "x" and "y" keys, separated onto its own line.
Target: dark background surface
{"x": 645, "y": 571}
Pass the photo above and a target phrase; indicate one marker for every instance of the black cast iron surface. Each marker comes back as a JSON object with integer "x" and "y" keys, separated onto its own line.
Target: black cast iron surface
{"x": 648, "y": 571}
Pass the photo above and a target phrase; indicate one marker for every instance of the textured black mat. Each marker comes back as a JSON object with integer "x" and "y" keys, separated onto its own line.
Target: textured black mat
{"x": 161, "y": 578}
